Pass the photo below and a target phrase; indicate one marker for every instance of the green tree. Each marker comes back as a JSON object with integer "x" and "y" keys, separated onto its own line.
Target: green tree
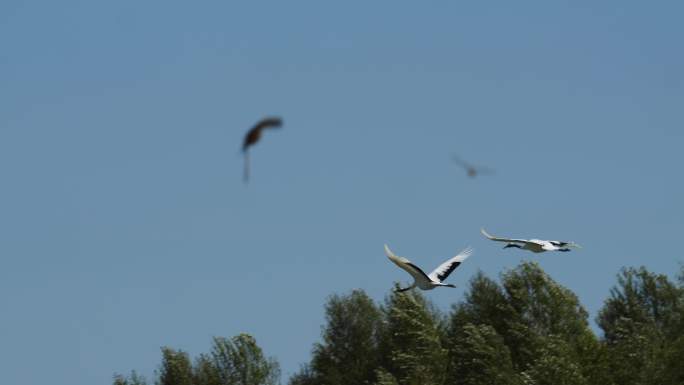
{"x": 204, "y": 371}
{"x": 478, "y": 356}
{"x": 349, "y": 351}
{"x": 485, "y": 302}
{"x": 133, "y": 379}
{"x": 641, "y": 322}
{"x": 527, "y": 308}
{"x": 640, "y": 300}
{"x": 542, "y": 305}
{"x": 385, "y": 378}
{"x": 673, "y": 368}
{"x": 305, "y": 376}
{"x": 412, "y": 342}
{"x": 240, "y": 361}
{"x": 176, "y": 368}
{"x": 555, "y": 365}
{"x": 235, "y": 361}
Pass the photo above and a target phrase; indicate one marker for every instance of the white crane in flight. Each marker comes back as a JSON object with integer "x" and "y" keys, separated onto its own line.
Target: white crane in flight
{"x": 533, "y": 245}
{"x": 436, "y": 277}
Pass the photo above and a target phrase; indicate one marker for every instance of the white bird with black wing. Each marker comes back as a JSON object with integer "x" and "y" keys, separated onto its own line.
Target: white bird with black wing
{"x": 533, "y": 245}
{"x": 436, "y": 277}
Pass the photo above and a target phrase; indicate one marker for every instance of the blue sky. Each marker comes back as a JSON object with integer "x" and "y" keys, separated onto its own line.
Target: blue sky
{"x": 125, "y": 225}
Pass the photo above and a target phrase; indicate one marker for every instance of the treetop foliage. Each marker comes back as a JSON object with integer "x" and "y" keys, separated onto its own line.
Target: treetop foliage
{"x": 524, "y": 329}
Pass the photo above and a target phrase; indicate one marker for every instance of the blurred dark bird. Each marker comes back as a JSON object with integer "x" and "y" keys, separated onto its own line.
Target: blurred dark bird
{"x": 471, "y": 169}
{"x": 253, "y": 136}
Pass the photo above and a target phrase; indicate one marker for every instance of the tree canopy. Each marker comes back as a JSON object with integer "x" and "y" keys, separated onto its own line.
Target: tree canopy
{"x": 523, "y": 329}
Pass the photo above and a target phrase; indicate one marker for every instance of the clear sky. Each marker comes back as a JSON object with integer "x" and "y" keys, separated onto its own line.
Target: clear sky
{"x": 125, "y": 225}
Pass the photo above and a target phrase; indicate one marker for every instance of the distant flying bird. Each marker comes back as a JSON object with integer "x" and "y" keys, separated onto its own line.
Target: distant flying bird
{"x": 434, "y": 279}
{"x": 471, "y": 169}
{"x": 253, "y": 136}
{"x": 533, "y": 245}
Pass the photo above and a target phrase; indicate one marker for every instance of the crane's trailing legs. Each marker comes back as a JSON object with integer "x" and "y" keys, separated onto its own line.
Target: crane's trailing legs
{"x": 245, "y": 172}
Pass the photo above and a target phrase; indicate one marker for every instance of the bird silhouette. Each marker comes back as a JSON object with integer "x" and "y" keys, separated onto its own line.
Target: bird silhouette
{"x": 471, "y": 169}
{"x": 253, "y": 136}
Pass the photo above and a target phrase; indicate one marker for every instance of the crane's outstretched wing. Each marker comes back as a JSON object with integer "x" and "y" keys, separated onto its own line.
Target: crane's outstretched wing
{"x": 443, "y": 271}
{"x": 415, "y": 271}
{"x": 509, "y": 240}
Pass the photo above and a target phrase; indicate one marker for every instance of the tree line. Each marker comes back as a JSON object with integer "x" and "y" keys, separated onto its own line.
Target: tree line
{"x": 524, "y": 329}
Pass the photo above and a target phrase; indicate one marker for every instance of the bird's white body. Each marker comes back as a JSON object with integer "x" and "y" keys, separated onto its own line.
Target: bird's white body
{"x": 436, "y": 277}
{"x": 533, "y": 245}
